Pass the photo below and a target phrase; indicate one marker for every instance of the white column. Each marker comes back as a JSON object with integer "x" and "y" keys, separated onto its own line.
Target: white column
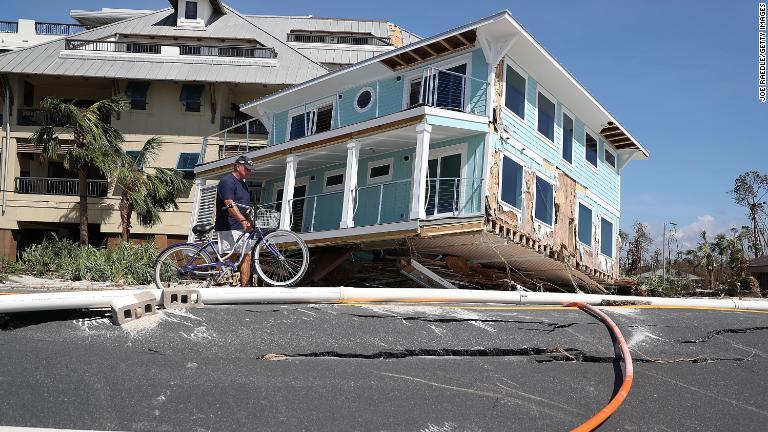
{"x": 420, "y": 164}
{"x": 350, "y": 185}
{"x": 290, "y": 181}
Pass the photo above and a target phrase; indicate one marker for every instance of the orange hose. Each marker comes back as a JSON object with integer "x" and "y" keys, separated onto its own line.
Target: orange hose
{"x": 620, "y": 395}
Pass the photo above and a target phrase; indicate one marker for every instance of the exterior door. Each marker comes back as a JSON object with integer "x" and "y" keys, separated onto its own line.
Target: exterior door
{"x": 443, "y": 185}
{"x": 297, "y": 212}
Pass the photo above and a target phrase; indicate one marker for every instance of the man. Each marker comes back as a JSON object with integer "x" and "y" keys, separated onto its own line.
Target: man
{"x": 230, "y": 221}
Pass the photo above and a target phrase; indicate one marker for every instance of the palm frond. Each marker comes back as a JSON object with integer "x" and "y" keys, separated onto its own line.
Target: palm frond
{"x": 149, "y": 151}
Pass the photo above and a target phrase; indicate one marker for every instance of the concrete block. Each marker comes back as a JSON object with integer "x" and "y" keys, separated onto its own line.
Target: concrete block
{"x": 132, "y": 307}
{"x": 181, "y": 298}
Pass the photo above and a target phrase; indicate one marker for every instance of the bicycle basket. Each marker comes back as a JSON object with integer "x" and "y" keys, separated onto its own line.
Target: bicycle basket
{"x": 267, "y": 218}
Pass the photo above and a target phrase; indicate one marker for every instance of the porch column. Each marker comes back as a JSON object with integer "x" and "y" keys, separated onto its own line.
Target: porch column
{"x": 350, "y": 185}
{"x": 420, "y": 164}
{"x": 290, "y": 181}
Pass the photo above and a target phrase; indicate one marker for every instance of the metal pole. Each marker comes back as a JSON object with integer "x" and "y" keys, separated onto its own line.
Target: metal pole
{"x": 381, "y": 199}
{"x": 663, "y": 261}
{"x": 314, "y": 207}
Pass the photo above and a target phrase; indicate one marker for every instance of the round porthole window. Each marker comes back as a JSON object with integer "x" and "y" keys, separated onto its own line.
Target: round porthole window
{"x": 364, "y": 99}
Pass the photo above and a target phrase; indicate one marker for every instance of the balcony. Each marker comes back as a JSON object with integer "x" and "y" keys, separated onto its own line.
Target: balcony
{"x": 339, "y": 38}
{"x": 40, "y": 117}
{"x": 57, "y": 29}
{"x": 9, "y": 27}
{"x": 243, "y": 52}
{"x": 59, "y": 186}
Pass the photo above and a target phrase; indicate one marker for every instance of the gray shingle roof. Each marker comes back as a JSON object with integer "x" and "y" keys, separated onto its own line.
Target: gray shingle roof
{"x": 294, "y": 66}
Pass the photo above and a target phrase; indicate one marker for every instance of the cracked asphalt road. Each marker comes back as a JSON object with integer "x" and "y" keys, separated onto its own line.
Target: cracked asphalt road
{"x": 381, "y": 367}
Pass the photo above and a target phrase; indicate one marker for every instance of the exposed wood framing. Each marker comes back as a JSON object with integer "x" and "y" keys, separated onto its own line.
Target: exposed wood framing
{"x": 429, "y": 52}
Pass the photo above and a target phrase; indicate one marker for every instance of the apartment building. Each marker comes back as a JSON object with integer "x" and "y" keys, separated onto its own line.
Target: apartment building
{"x": 474, "y": 142}
{"x": 186, "y": 70}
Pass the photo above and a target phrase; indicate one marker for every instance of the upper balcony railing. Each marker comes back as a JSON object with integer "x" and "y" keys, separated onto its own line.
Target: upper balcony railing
{"x": 9, "y": 27}
{"x": 338, "y": 38}
{"x": 41, "y": 117}
{"x": 184, "y": 50}
{"x": 58, "y": 29}
{"x": 59, "y": 186}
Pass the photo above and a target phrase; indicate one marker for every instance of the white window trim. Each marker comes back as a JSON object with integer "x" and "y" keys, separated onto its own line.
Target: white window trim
{"x": 597, "y": 151}
{"x": 370, "y": 104}
{"x": 591, "y": 224}
{"x": 608, "y": 148}
{"x": 509, "y": 62}
{"x": 613, "y": 240}
{"x": 311, "y": 108}
{"x": 332, "y": 173}
{"x": 448, "y": 63}
{"x": 548, "y": 225}
{"x": 548, "y": 95}
{"x": 505, "y": 205}
{"x": 378, "y": 163}
{"x": 566, "y": 112}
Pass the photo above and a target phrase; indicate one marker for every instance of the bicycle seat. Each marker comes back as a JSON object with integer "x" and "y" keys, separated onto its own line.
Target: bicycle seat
{"x": 202, "y": 229}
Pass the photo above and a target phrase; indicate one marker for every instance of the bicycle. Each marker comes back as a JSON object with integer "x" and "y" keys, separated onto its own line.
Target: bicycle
{"x": 279, "y": 257}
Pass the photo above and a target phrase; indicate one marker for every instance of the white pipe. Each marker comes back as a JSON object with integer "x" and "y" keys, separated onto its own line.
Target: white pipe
{"x": 103, "y": 299}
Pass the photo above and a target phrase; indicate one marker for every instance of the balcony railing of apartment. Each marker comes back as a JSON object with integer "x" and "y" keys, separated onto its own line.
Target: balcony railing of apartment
{"x": 57, "y": 29}
{"x": 446, "y": 197}
{"x": 339, "y": 38}
{"x": 40, "y": 117}
{"x": 59, "y": 186}
{"x": 231, "y": 139}
{"x": 228, "y": 51}
{"x": 112, "y": 46}
{"x": 9, "y": 27}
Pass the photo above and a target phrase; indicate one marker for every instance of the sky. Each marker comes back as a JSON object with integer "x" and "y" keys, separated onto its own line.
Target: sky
{"x": 680, "y": 76}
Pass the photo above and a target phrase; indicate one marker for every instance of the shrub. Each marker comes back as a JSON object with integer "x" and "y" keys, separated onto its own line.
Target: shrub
{"x": 8, "y": 267}
{"x": 127, "y": 263}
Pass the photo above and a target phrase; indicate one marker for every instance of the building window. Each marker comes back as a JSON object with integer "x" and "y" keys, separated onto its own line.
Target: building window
{"x": 546, "y": 117}
{"x": 191, "y": 97}
{"x": 29, "y": 94}
{"x": 606, "y": 237}
{"x": 567, "y": 138}
{"x": 544, "y": 211}
{"x": 511, "y": 183}
{"x": 380, "y": 171}
{"x": 609, "y": 157}
{"x": 364, "y": 100}
{"x": 585, "y": 225}
{"x": 136, "y": 92}
{"x": 591, "y": 149}
{"x": 186, "y": 164}
{"x": 414, "y": 92}
{"x": 134, "y": 155}
{"x": 334, "y": 180}
{"x": 514, "y": 94}
{"x": 298, "y": 126}
{"x": 324, "y": 119}
{"x": 315, "y": 120}
{"x": 190, "y": 10}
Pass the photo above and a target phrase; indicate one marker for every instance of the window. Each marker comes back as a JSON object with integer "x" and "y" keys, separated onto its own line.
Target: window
{"x": 191, "y": 96}
{"x": 298, "y": 126}
{"x": 414, "y": 92}
{"x": 585, "y": 225}
{"x": 591, "y": 149}
{"x": 609, "y": 157}
{"x": 567, "y": 138}
{"x": 334, "y": 180}
{"x": 544, "y": 210}
{"x": 190, "y": 10}
{"x": 514, "y": 95}
{"x": 511, "y": 183}
{"x": 136, "y": 92}
{"x": 364, "y": 100}
{"x": 546, "y": 117}
{"x": 186, "y": 164}
{"x": 29, "y": 94}
{"x": 134, "y": 154}
{"x": 606, "y": 237}
{"x": 314, "y": 120}
{"x": 380, "y": 171}
{"x": 324, "y": 119}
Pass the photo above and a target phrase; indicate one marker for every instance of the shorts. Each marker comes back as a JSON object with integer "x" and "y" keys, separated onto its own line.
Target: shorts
{"x": 227, "y": 240}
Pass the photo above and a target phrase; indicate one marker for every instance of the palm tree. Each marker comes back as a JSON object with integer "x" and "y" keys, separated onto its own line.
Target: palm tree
{"x": 706, "y": 256}
{"x": 737, "y": 260}
{"x": 721, "y": 246}
{"x": 96, "y": 142}
{"x": 143, "y": 193}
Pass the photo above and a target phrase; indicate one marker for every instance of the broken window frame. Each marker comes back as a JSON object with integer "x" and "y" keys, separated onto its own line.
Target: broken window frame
{"x": 541, "y": 92}
{"x": 591, "y": 209}
{"x": 334, "y": 173}
{"x": 550, "y": 224}
{"x": 509, "y": 63}
{"x": 603, "y": 243}
{"x": 505, "y": 204}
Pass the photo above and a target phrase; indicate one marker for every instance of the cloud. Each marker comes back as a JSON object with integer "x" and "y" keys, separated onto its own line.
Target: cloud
{"x": 688, "y": 235}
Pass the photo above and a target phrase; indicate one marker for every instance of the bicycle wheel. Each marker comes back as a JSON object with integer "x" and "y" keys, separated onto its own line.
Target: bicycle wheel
{"x": 281, "y": 258}
{"x": 174, "y": 267}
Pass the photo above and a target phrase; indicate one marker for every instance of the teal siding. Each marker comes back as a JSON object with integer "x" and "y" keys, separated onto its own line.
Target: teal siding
{"x": 603, "y": 181}
{"x": 478, "y": 87}
{"x": 598, "y": 213}
{"x": 280, "y": 124}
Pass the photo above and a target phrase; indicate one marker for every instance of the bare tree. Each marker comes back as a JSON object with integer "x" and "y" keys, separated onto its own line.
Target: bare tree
{"x": 638, "y": 247}
{"x": 750, "y": 190}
